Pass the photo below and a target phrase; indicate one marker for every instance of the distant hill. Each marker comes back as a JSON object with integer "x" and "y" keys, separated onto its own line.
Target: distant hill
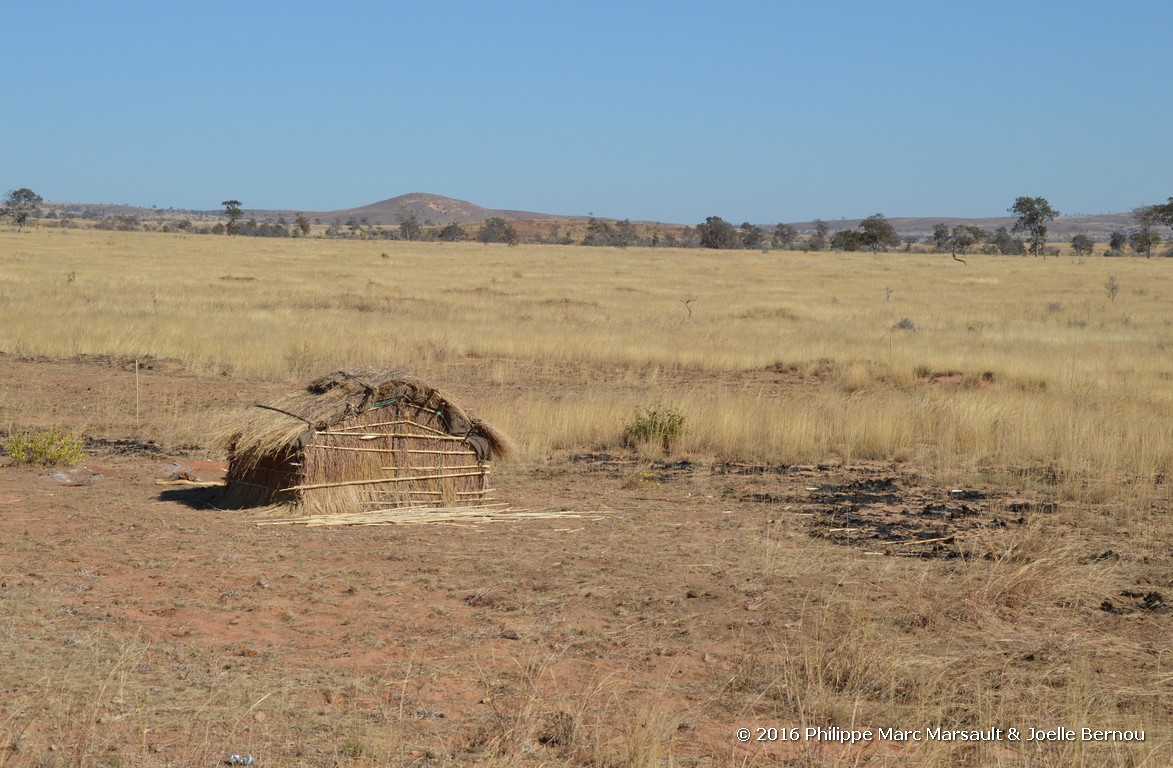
{"x": 437, "y": 210}
{"x": 428, "y": 210}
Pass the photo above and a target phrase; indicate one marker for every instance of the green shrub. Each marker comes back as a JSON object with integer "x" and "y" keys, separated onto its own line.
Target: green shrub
{"x": 656, "y": 424}
{"x": 46, "y": 447}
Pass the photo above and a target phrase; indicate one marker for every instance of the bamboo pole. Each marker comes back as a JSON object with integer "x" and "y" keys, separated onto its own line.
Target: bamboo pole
{"x": 921, "y": 541}
{"x": 391, "y": 450}
{"x": 315, "y": 486}
{"x": 394, "y": 436}
{"x": 425, "y": 426}
{"x": 363, "y": 428}
{"x": 442, "y": 453}
{"x": 466, "y": 466}
{"x": 367, "y": 427}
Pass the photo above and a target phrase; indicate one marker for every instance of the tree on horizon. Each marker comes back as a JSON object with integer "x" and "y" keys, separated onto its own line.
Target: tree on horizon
{"x": 1033, "y": 214}
{"x": 876, "y": 231}
{"x": 234, "y": 214}
{"x": 21, "y": 205}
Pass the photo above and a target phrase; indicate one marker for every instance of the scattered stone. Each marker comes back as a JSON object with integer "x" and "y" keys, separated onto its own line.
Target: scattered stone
{"x": 78, "y": 476}
{"x": 196, "y": 470}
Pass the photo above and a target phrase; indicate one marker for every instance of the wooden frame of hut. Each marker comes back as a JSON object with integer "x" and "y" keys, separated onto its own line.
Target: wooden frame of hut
{"x": 362, "y": 440}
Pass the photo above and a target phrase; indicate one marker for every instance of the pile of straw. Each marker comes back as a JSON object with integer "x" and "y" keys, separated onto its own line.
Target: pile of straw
{"x": 486, "y": 513}
{"x": 361, "y": 440}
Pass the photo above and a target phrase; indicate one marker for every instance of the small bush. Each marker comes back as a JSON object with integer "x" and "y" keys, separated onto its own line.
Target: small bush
{"x": 905, "y": 324}
{"x": 641, "y": 478}
{"x": 655, "y": 424}
{"x": 46, "y": 447}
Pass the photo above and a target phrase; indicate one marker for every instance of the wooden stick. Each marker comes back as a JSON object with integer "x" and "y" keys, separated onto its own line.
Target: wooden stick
{"x": 287, "y": 413}
{"x": 391, "y": 450}
{"x": 194, "y": 483}
{"x": 315, "y": 486}
{"x": 393, "y": 436}
{"x": 398, "y": 423}
{"x": 421, "y": 408}
{"x": 436, "y": 493}
{"x": 349, "y": 448}
{"x": 442, "y": 453}
{"x": 405, "y": 514}
{"x": 412, "y": 478}
{"x": 466, "y": 466}
{"x": 422, "y": 517}
{"x": 424, "y": 426}
{"x": 367, "y": 427}
{"x": 921, "y": 541}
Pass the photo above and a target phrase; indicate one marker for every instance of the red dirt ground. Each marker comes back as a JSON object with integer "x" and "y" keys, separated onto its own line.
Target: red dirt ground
{"x": 144, "y": 626}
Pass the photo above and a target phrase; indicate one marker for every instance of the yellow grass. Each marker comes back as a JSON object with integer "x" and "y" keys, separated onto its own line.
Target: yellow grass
{"x": 573, "y": 339}
{"x": 787, "y": 357}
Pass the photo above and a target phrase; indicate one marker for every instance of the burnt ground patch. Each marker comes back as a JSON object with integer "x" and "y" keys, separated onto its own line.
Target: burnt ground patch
{"x": 884, "y": 508}
{"x": 1131, "y": 601}
{"x": 123, "y": 447}
{"x": 879, "y": 507}
{"x": 898, "y": 517}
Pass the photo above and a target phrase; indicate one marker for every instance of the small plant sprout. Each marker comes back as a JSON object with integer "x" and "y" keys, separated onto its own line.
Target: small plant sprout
{"x": 1112, "y": 287}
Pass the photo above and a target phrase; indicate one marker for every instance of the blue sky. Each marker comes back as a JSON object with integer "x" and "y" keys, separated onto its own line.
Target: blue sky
{"x": 664, "y": 111}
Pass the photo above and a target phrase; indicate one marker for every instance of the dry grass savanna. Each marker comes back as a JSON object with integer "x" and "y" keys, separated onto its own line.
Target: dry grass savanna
{"x": 840, "y": 395}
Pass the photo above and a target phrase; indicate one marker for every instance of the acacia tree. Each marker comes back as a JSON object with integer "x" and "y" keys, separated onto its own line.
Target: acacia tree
{"x": 1148, "y": 218}
{"x": 409, "y": 226}
{"x": 784, "y": 236}
{"x": 957, "y": 240}
{"x": 1083, "y": 245}
{"x": 941, "y": 236}
{"x": 1007, "y": 244}
{"x": 1033, "y": 214}
{"x": 21, "y": 205}
{"x": 718, "y": 233}
{"x": 818, "y": 240}
{"x": 625, "y": 234}
{"x": 751, "y": 236}
{"x": 847, "y": 240}
{"x": 498, "y": 230}
{"x": 599, "y": 232}
{"x": 234, "y": 214}
{"x": 876, "y": 231}
{"x": 1164, "y": 213}
{"x": 1144, "y": 240}
{"x": 451, "y": 233}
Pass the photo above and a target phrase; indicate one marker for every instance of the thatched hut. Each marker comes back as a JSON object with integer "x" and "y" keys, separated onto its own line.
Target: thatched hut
{"x": 362, "y": 440}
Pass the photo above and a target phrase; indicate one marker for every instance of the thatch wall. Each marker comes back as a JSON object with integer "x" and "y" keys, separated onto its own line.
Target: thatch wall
{"x": 362, "y": 440}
